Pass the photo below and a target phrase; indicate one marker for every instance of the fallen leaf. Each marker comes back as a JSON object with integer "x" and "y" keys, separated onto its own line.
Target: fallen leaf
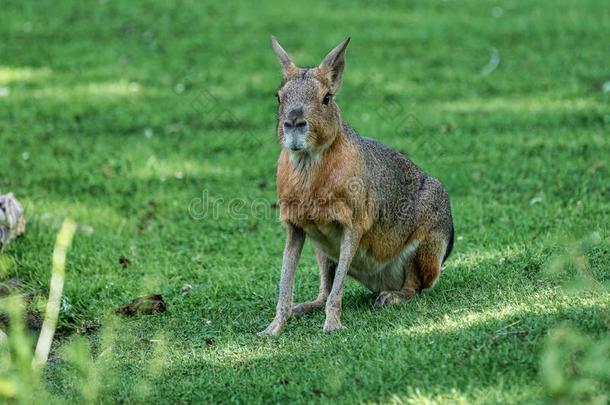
{"x": 124, "y": 262}
{"x": 143, "y": 306}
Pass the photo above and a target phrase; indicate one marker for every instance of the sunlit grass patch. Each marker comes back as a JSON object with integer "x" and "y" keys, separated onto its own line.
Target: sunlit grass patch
{"x": 118, "y": 89}
{"x": 535, "y": 103}
{"x": 9, "y": 74}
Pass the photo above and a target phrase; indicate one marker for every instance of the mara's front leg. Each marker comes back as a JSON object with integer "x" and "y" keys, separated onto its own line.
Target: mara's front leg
{"x": 295, "y": 237}
{"x": 349, "y": 245}
{"x": 327, "y": 269}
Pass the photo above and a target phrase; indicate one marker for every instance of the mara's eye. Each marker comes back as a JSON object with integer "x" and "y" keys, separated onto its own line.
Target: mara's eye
{"x": 277, "y": 95}
{"x": 327, "y": 98}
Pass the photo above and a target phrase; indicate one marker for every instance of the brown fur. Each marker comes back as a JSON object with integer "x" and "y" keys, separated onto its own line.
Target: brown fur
{"x": 370, "y": 211}
{"x": 325, "y": 186}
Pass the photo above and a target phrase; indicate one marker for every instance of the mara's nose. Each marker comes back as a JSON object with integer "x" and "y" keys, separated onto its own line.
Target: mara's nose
{"x": 295, "y": 119}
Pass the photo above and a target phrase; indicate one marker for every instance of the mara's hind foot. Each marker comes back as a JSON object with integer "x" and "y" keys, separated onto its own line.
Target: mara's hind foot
{"x": 393, "y": 297}
{"x": 308, "y": 307}
{"x": 409, "y": 289}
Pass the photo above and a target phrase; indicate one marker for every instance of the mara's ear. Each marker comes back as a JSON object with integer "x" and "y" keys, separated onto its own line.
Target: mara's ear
{"x": 333, "y": 65}
{"x": 282, "y": 56}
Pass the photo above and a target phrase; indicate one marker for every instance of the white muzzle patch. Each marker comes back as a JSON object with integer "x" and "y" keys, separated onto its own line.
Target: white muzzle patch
{"x": 295, "y": 139}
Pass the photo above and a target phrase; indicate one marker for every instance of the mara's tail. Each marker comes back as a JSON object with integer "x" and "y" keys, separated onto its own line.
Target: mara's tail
{"x": 450, "y": 244}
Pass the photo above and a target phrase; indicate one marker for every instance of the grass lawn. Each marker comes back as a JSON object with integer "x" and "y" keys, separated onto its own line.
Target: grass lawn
{"x": 152, "y": 125}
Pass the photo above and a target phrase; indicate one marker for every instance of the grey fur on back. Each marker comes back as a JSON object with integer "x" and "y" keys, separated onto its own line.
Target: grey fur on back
{"x": 410, "y": 197}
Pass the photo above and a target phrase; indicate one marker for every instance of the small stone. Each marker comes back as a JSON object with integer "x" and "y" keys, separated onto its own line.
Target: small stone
{"x": 186, "y": 288}
{"x": 12, "y": 219}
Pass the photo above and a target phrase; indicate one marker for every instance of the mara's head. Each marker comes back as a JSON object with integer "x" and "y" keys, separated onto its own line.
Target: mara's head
{"x": 308, "y": 117}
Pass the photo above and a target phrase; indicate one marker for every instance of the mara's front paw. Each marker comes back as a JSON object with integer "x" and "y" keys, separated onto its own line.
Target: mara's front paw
{"x": 392, "y": 297}
{"x": 332, "y": 323}
{"x": 274, "y": 329}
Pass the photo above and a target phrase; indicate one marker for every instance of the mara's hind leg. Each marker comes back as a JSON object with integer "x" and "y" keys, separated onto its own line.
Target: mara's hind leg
{"x": 327, "y": 275}
{"x": 429, "y": 257}
{"x": 420, "y": 273}
{"x": 408, "y": 290}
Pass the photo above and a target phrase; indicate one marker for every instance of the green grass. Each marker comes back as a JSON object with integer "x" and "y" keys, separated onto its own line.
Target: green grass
{"x": 523, "y": 151}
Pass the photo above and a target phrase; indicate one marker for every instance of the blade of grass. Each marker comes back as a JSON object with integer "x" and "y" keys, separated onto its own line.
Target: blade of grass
{"x": 64, "y": 240}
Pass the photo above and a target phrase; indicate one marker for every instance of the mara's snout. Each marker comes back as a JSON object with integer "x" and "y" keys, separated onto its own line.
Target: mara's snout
{"x": 295, "y": 130}
{"x": 369, "y": 211}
